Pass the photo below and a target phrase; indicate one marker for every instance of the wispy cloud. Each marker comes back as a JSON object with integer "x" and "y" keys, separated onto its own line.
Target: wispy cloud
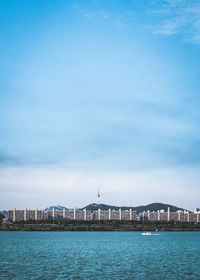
{"x": 177, "y": 17}
{"x": 120, "y": 19}
{"x": 101, "y": 14}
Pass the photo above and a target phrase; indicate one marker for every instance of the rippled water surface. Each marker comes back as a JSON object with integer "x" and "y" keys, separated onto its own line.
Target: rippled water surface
{"x": 99, "y": 255}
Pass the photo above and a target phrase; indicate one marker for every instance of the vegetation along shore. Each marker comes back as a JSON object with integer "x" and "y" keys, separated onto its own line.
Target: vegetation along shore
{"x": 70, "y": 225}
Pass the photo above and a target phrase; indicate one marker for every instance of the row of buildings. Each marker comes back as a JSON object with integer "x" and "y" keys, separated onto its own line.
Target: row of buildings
{"x": 88, "y": 215}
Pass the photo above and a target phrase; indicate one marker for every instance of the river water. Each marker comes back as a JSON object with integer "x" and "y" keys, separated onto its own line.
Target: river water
{"x": 99, "y": 255}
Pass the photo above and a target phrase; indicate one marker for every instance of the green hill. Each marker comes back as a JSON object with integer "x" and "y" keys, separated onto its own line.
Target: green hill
{"x": 139, "y": 209}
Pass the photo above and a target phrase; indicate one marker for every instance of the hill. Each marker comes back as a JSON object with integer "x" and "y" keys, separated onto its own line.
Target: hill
{"x": 139, "y": 209}
{"x": 94, "y": 206}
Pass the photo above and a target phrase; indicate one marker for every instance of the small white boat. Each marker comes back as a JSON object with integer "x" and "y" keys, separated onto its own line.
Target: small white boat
{"x": 146, "y": 233}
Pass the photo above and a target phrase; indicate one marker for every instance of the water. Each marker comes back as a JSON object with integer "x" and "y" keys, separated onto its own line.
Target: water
{"x": 99, "y": 255}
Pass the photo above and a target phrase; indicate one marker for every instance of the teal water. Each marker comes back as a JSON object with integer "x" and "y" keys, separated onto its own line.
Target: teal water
{"x": 99, "y": 255}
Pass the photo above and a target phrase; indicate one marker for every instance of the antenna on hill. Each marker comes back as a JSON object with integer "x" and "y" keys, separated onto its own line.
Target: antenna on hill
{"x": 99, "y": 196}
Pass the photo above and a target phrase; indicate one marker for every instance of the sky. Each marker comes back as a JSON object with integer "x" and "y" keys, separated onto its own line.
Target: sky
{"x": 99, "y": 94}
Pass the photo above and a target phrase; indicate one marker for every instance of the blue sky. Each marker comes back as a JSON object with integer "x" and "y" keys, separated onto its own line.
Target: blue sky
{"x": 99, "y": 94}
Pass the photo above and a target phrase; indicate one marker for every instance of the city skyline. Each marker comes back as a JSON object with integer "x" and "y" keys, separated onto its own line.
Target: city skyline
{"x": 99, "y": 93}
{"x": 109, "y": 214}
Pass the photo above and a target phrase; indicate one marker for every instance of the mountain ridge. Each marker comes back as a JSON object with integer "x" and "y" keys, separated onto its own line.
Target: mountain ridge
{"x": 58, "y": 207}
{"x": 152, "y": 207}
{"x": 94, "y": 206}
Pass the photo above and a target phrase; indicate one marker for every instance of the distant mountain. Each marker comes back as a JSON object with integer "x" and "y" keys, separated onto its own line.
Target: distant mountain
{"x": 5, "y": 213}
{"x": 139, "y": 209}
{"x": 158, "y": 206}
{"x": 58, "y": 207}
{"x": 94, "y": 206}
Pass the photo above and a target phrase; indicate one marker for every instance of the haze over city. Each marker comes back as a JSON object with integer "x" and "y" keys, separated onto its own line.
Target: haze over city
{"x": 99, "y": 94}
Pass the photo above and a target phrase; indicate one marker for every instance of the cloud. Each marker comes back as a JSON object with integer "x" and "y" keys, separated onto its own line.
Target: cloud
{"x": 169, "y": 18}
{"x": 101, "y": 14}
{"x": 177, "y": 17}
{"x": 39, "y": 187}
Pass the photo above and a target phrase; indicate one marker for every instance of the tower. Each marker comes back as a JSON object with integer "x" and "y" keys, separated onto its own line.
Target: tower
{"x": 98, "y": 195}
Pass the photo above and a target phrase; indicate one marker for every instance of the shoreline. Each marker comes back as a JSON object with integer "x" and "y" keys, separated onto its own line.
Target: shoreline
{"x": 113, "y": 225}
{"x": 97, "y": 231}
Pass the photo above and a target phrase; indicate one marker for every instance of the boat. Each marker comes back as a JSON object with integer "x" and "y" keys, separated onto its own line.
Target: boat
{"x": 146, "y": 233}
